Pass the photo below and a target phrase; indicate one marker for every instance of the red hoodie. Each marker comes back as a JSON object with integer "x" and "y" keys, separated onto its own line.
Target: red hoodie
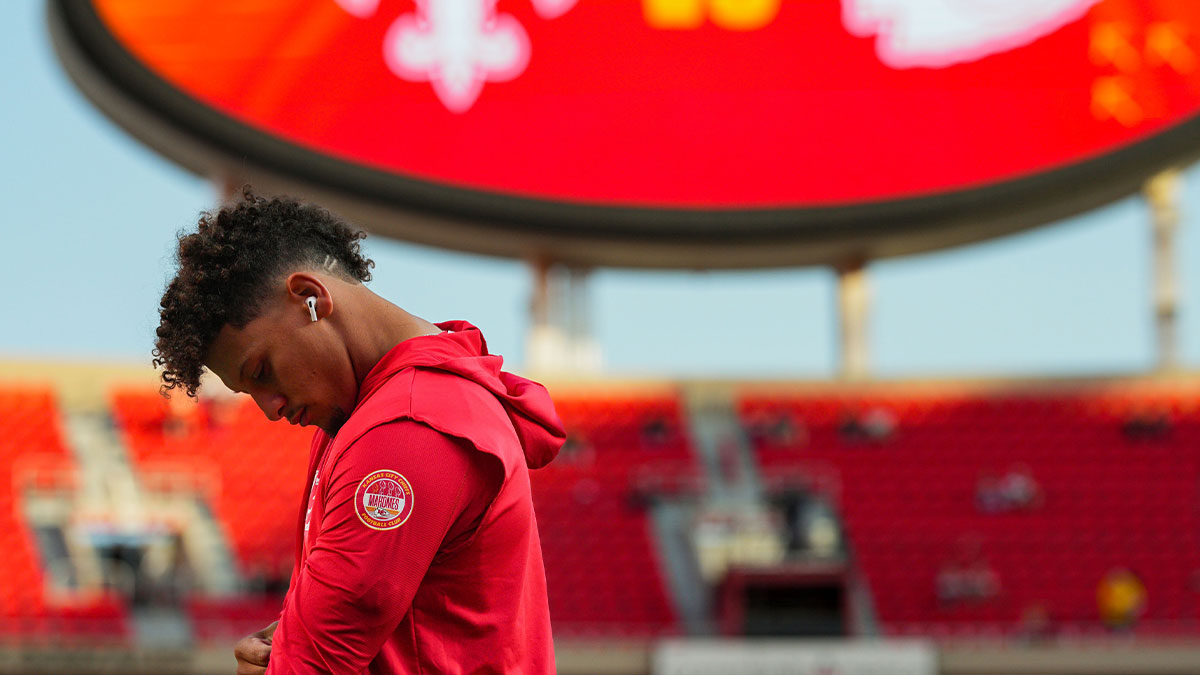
{"x": 418, "y": 549}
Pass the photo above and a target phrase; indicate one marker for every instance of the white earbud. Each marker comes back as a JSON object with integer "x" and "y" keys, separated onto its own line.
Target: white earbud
{"x": 311, "y": 301}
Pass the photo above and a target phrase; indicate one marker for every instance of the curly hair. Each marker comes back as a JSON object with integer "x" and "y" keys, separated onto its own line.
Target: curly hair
{"x": 225, "y": 268}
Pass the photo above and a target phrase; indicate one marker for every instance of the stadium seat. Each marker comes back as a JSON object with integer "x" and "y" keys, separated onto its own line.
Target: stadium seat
{"x": 32, "y": 441}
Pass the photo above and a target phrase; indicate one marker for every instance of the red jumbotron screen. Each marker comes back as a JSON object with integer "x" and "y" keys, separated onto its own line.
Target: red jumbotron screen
{"x": 683, "y": 104}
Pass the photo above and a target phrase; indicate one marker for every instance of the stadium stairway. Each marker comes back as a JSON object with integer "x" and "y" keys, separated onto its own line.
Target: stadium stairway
{"x": 719, "y": 445}
{"x": 112, "y": 493}
{"x": 107, "y": 485}
{"x": 712, "y": 428}
{"x": 672, "y": 521}
{"x": 735, "y": 483}
{"x": 719, "y": 439}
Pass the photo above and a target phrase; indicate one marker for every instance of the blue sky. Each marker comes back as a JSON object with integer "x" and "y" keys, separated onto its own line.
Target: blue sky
{"x": 90, "y": 217}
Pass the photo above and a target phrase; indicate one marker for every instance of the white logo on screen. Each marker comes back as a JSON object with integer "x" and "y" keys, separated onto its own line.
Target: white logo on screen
{"x": 939, "y": 33}
{"x": 457, "y": 45}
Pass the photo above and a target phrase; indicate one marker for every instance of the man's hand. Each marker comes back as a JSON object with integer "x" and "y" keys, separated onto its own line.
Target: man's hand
{"x": 254, "y": 651}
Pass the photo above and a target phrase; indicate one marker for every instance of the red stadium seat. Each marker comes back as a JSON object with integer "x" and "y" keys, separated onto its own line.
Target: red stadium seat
{"x": 33, "y": 454}
{"x": 602, "y": 568}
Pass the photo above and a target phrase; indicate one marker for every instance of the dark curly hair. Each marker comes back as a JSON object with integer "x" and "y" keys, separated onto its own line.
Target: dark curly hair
{"x": 226, "y": 266}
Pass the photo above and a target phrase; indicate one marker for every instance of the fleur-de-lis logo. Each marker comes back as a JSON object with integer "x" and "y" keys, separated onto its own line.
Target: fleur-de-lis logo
{"x": 457, "y": 45}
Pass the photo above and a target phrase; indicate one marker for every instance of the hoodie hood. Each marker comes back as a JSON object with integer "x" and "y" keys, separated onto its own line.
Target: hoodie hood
{"x": 462, "y": 351}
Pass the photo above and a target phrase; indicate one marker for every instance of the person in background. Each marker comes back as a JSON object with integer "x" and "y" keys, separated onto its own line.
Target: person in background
{"x": 1121, "y": 599}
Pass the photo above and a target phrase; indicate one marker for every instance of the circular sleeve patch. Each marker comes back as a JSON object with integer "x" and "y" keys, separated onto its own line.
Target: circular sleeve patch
{"x": 383, "y": 500}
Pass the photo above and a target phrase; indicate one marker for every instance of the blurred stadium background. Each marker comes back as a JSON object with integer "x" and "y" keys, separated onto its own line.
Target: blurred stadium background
{"x": 710, "y": 516}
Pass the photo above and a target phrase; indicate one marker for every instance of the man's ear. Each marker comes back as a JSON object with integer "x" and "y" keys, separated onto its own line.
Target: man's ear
{"x": 301, "y": 286}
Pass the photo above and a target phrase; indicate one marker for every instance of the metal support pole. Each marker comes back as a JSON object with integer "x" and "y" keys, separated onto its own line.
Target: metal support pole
{"x": 853, "y": 306}
{"x": 560, "y": 339}
{"x": 584, "y": 351}
{"x": 539, "y": 301}
{"x": 1162, "y": 193}
{"x": 544, "y": 341}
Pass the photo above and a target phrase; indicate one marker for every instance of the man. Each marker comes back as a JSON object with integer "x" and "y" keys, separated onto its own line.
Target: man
{"x": 417, "y": 546}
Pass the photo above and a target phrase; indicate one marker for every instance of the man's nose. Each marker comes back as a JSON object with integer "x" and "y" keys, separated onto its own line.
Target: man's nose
{"x": 271, "y": 404}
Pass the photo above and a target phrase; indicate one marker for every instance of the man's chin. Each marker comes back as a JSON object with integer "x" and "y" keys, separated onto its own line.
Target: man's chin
{"x": 337, "y": 418}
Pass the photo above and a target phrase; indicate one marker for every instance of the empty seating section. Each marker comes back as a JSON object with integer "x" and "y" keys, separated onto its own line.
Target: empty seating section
{"x": 1118, "y": 474}
{"x": 31, "y": 441}
{"x": 602, "y": 566}
{"x": 257, "y": 469}
{"x": 1117, "y": 467}
{"x": 618, "y": 435}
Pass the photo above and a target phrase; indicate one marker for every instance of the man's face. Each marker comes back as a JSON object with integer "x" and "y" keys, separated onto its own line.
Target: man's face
{"x": 294, "y": 369}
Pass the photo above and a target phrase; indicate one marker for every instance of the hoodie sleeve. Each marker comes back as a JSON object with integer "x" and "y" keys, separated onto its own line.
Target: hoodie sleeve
{"x": 394, "y": 498}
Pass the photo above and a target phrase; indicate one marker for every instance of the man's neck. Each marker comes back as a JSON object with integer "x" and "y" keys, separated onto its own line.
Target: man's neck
{"x": 379, "y": 327}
